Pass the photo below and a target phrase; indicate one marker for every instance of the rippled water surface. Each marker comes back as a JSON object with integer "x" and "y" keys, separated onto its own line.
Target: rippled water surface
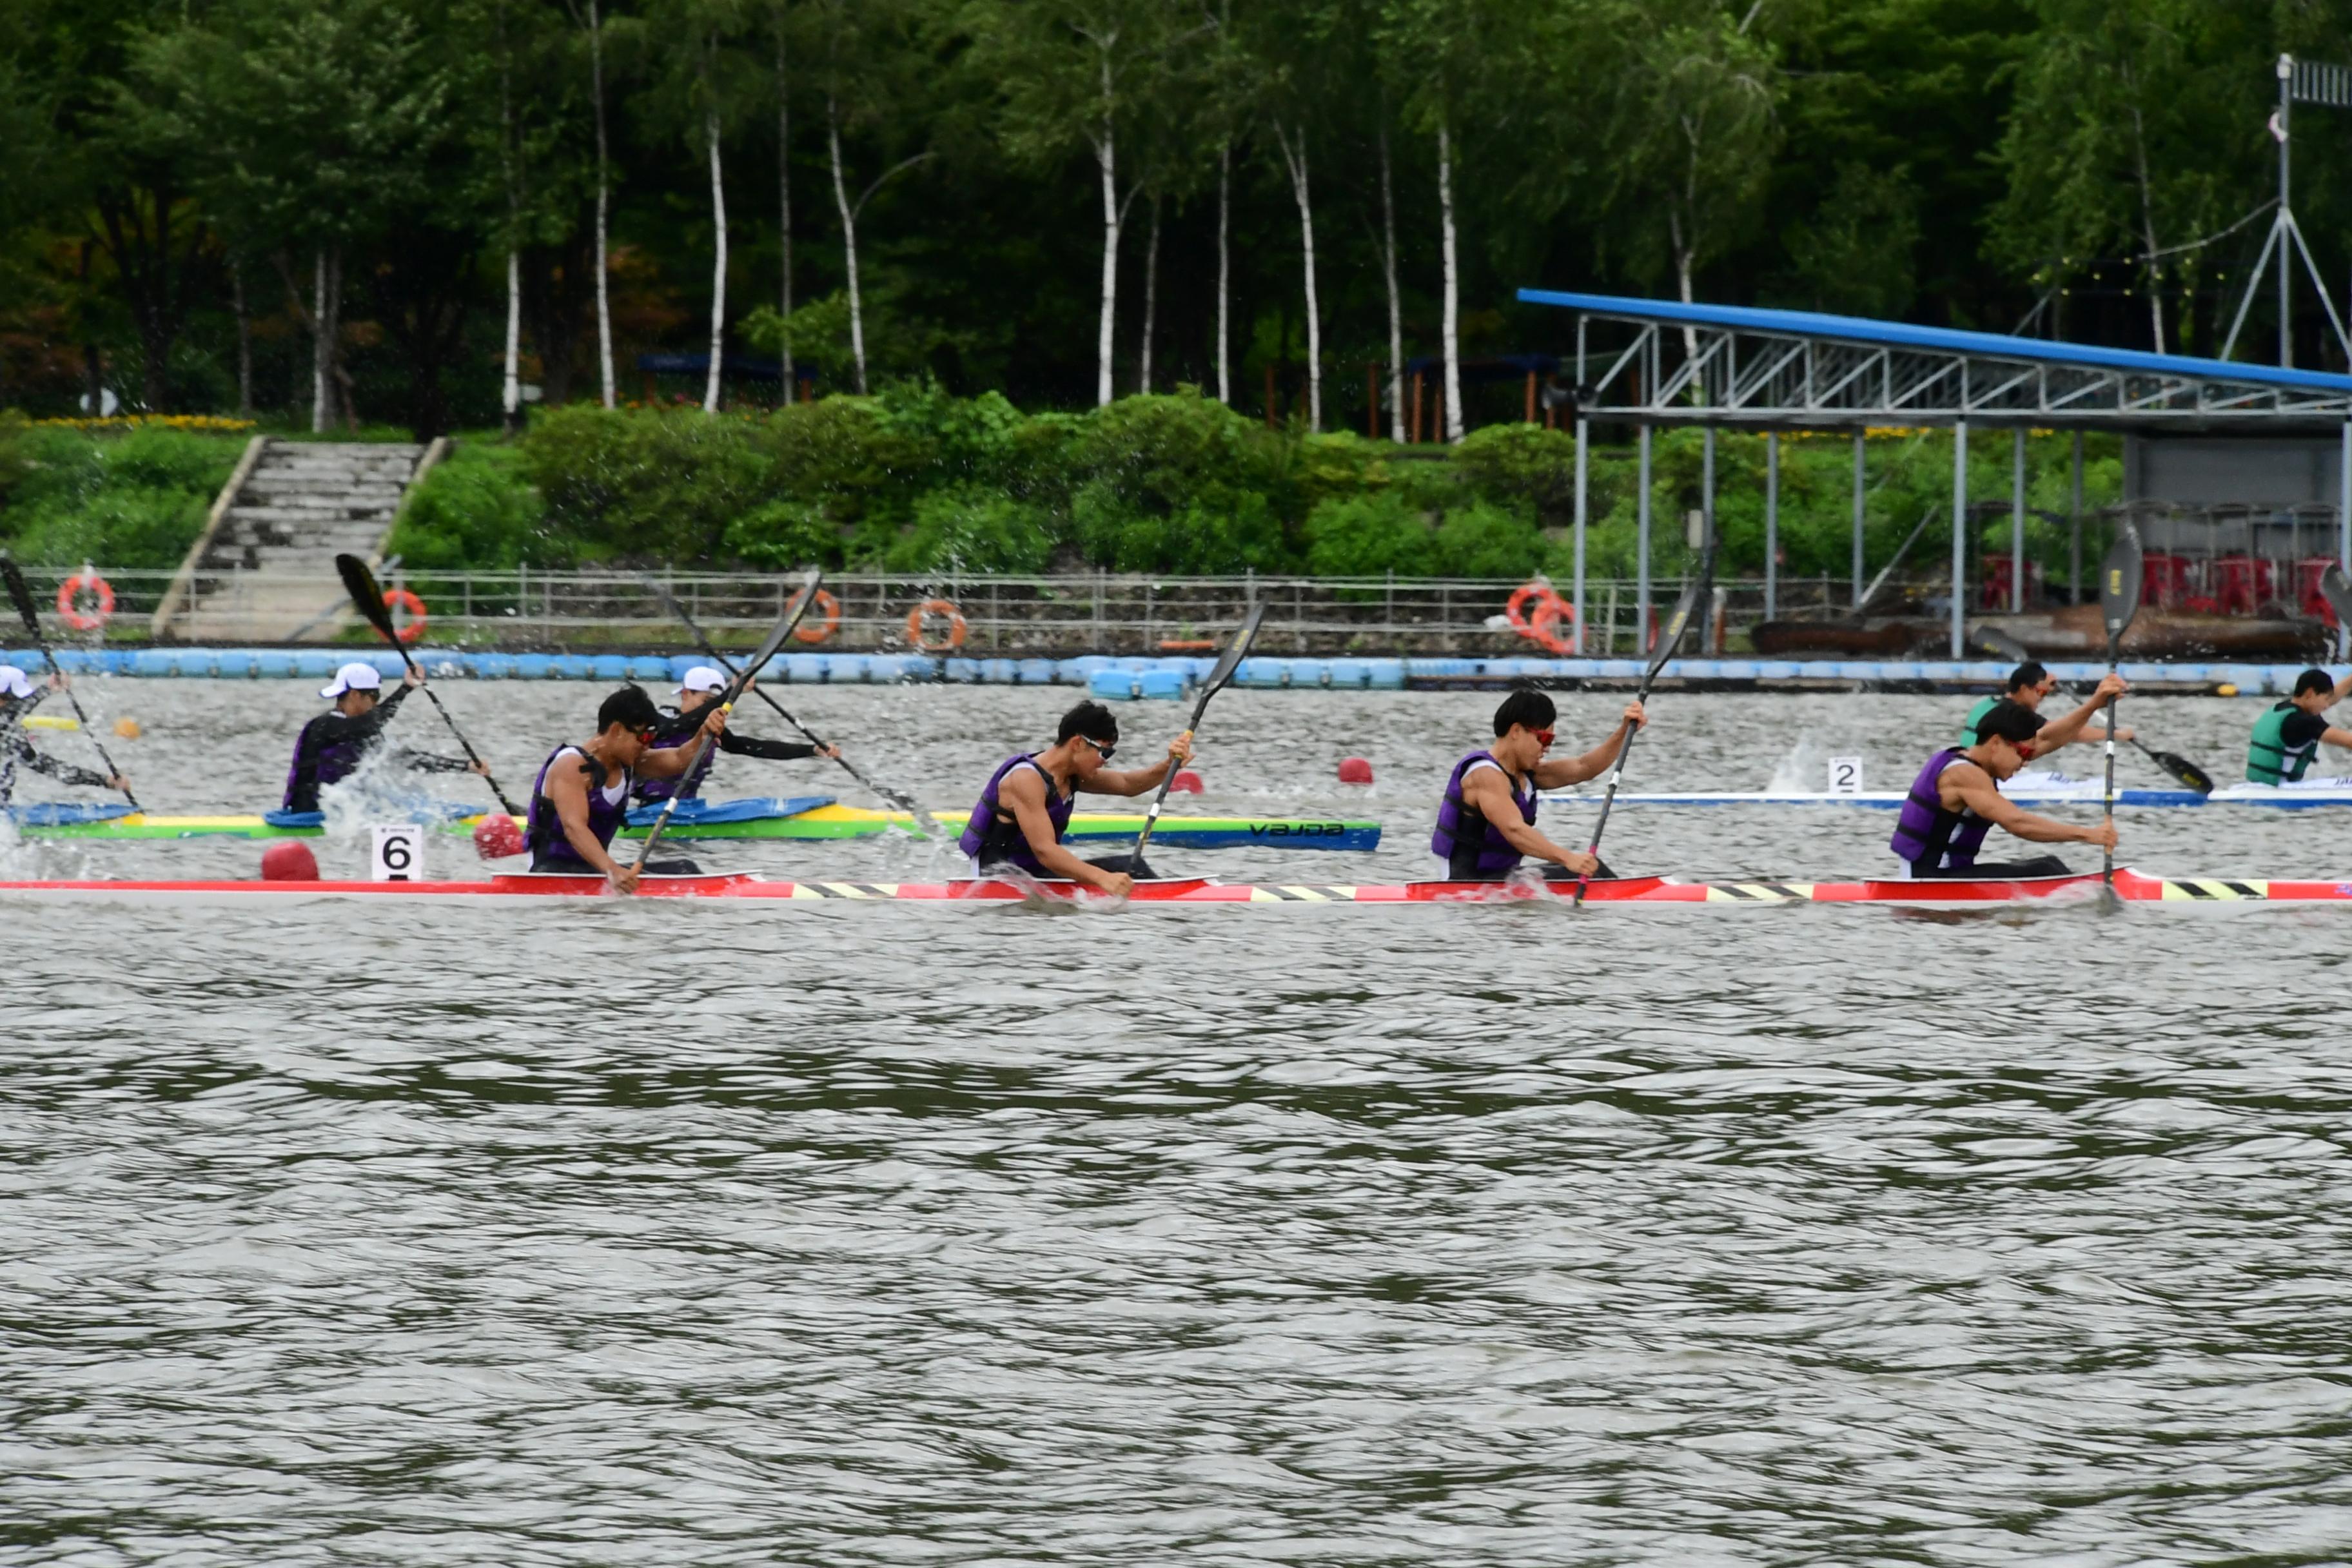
{"x": 624, "y": 1232}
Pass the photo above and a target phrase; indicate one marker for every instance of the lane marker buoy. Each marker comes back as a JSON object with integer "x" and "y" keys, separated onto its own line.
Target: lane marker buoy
{"x": 290, "y": 861}
{"x": 1355, "y": 769}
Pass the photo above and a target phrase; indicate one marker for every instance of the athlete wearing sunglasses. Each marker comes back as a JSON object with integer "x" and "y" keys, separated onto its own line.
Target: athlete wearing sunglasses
{"x": 1025, "y": 809}
{"x": 582, "y": 793}
{"x": 1487, "y": 822}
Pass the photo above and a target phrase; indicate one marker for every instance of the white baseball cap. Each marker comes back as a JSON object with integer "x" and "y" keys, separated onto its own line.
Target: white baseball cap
{"x": 353, "y": 677}
{"x": 702, "y": 677}
{"x": 13, "y": 682}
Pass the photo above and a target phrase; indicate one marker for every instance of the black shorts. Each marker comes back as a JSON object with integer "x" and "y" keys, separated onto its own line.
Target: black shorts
{"x": 2000, "y": 870}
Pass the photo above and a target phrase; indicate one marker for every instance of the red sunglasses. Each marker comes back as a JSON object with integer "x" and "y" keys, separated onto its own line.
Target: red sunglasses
{"x": 1544, "y": 736}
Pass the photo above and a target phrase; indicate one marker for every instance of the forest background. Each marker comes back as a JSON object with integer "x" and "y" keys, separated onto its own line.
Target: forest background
{"x": 1041, "y": 262}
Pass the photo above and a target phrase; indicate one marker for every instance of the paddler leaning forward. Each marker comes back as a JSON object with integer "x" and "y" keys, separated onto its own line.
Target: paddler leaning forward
{"x": 1957, "y": 800}
{"x": 1486, "y": 823}
{"x": 2289, "y": 734}
{"x": 581, "y": 796}
{"x": 1025, "y": 809}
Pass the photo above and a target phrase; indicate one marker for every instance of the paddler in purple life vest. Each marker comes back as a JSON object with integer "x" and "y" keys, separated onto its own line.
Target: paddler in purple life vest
{"x": 1025, "y": 809}
{"x": 699, "y": 691}
{"x": 582, "y": 794}
{"x": 18, "y": 698}
{"x": 331, "y": 746}
{"x": 1487, "y": 822}
{"x": 1957, "y": 800}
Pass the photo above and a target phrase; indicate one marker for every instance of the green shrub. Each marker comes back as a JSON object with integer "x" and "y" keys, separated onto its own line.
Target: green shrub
{"x": 478, "y": 508}
{"x": 1482, "y": 540}
{"x": 133, "y": 500}
{"x": 661, "y": 484}
{"x": 1521, "y": 466}
{"x": 785, "y": 535}
{"x": 971, "y": 528}
{"x": 1364, "y": 536}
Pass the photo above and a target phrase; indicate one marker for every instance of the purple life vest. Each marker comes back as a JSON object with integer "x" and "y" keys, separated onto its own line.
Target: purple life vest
{"x": 544, "y": 836}
{"x": 1931, "y": 836}
{"x": 1471, "y": 846}
{"x": 318, "y": 764}
{"x": 993, "y": 836}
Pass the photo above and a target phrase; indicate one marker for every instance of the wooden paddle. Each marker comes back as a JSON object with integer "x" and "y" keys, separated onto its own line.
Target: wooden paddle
{"x": 1670, "y": 637}
{"x": 1218, "y": 677}
{"x": 2119, "y": 588}
{"x": 727, "y": 699}
{"x": 368, "y": 599}
{"x": 24, "y": 601}
{"x": 2001, "y": 645}
{"x": 906, "y": 803}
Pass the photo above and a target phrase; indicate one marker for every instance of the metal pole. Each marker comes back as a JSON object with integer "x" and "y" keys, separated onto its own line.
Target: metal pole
{"x": 1641, "y": 554}
{"x": 1584, "y": 479}
{"x": 1959, "y": 534}
{"x": 1707, "y": 525}
{"x": 2016, "y": 522}
{"x": 2344, "y": 527}
{"x": 2075, "y": 560}
{"x": 1858, "y": 520}
{"x": 2285, "y": 76}
{"x": 1771, "y": 521}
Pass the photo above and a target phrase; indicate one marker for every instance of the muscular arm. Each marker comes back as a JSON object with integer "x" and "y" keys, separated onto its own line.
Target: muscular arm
{"x": 672, "y": 761}
{"x": 1022, "y": 793}
{"x": 1487, "y": 790}
{"x": 736, "y": 745}
{"x": 1552, "y": 775}
{"x": 1966, "y": 785}
{"x": 1123, "y": 780}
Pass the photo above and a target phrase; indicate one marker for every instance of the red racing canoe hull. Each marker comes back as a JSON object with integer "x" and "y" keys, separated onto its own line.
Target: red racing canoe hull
{"x": 2131, "y": 887}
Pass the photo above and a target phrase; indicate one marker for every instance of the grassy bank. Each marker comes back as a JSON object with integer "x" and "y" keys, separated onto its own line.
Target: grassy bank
{"x": 914, "y": 480}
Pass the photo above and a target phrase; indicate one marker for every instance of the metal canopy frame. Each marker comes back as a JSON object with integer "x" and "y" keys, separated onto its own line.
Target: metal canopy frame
{"x": 1661, "y": 361}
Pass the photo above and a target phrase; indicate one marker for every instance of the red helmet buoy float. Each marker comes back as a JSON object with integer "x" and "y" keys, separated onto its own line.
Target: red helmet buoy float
{"x": 1355, "y": 769}
{"x": 290, "y": 861}
{"x": 496, "y": 836}
{"x": 1186, "y": 782}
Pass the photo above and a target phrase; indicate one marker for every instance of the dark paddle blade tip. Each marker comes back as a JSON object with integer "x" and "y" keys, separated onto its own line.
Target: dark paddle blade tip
{"x": 2119, "y": 582}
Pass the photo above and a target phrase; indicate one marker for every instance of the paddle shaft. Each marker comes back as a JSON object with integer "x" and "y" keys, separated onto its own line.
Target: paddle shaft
{"x": 471, "y": 755}
{"x": 905, "y": 803}
{"x": 653, "y": 834}
{"x": 33, "y": 626}
{"x": 2107, "y": 852}
{"x": 1227, "y": 663}
{"x": 1681, "y": 624}
{"x": 367, "y": 597}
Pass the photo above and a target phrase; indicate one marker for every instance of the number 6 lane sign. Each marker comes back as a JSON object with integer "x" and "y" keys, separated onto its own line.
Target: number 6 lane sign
{"x": 399, "y": 852}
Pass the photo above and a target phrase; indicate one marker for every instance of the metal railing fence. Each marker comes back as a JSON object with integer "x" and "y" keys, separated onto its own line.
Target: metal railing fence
{"x": 1056, "y": 616}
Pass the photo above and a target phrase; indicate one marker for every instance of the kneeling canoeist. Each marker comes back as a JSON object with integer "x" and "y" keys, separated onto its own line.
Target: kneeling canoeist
{"x": 331, "y": 746}
{"x": 2027, "y": 686}
{"x": 1957, "y": 800}
{"x": 2288, "y": 737}
{"x": 1025, "y": 809}
{"x": 697, "y": 691}
{"x": 1486, "y": 823}
{"x": 18, "y": 698}
{"x": 582, "y": 794}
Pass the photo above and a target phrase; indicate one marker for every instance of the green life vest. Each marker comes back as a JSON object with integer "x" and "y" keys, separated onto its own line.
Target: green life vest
{"x": 1976, "y": 714}
{"x": 2268, "y": 758}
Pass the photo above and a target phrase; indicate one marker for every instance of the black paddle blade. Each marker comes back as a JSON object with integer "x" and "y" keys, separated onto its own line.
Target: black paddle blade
{"x": 1234, "y": 652}
{"x": 802, "y": 599}
{"x": 2184, "y": 770}
{"x": 20, "y": 596}
{"x": 2119, "y": 584}
{"x": 1998, "y": 642}
{"x": 1677, "y": 622}
{"x": 2337, "y": 589}
{"x": 367, "y": 595}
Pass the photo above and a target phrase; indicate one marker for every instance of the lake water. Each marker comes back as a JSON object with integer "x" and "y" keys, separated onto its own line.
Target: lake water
{"x": 858, "y": 1234}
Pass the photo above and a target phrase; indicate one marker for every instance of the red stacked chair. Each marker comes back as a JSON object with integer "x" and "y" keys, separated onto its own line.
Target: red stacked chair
{"x": 2308, "y": 596}
{"x": 1995, "y": 573}
{"x": 2164, "y": 580}
{"x": 2239, "y": 585}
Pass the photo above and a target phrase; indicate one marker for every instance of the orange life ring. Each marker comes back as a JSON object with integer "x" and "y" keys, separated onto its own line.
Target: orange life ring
{"x": 1546, "y": 629}
{"x": 415, "y": 608}
{"x": 1517, "y": 609}
{"x": 923, "y": 612}
{"x": 69, "y": 593}
{"x": 830, "y": 608}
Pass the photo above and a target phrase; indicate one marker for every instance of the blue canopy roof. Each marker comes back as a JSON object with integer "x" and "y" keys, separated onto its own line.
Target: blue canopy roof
{"x": 1866, "y": 333}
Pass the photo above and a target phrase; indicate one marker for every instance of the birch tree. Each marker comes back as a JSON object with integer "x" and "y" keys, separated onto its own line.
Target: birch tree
{"x": 588, "y": 16}
{"x": 1296, "y": 46}
{"x": 1076, "y": 75}
{"x": 706, "y": 83}
{"x": 2110, "y": 149}
{"x": 867, "y": 56}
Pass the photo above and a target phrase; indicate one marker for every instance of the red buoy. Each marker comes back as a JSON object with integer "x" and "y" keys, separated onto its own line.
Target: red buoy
{"x": 1186, "y": 782}
{"x": 1355, "y": 769}
{"x": 290, "y": 861}
{"x": 496, "y": 836}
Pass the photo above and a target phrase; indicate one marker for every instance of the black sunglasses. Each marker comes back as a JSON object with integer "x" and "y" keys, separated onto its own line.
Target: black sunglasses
{"x": 1107, "y": 752}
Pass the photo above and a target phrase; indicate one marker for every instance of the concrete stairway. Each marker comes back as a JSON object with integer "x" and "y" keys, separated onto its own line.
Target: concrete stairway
{"x": 265, "y": 571}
